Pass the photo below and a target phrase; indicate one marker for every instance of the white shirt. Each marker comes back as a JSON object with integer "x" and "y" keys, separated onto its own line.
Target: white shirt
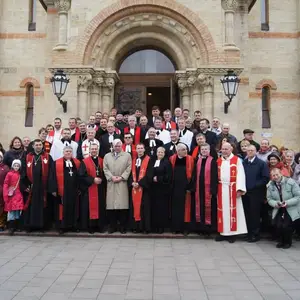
{"x": 57, "y": 149}
{"x": 138, "y": 162}
{"x": 157, "y": 163}
{"x": 216, "y": 130}
{"x": 85, "y": 147}
{"x": 251, "y": 160}
{"x": 168, "y": 125}
{"x": 163, "y": 135}
{"x": 110, "y": 138}
{"x": 73, "y": 131}
{"x": 128, "y": 149}
{"x": 132, "y": 131}
{"x": 187, "y": 138}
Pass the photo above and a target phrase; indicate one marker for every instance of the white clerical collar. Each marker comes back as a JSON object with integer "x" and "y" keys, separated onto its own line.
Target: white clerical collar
{"x": 69, "y": 164}
{"x": 157, "y": 163}
{"x": 66, "y": 143}
{"x": 168, "y": 125}
{"x": 128, "y": 148}
{"x": 152, "y": 143}
{"x": 138, "y": 162}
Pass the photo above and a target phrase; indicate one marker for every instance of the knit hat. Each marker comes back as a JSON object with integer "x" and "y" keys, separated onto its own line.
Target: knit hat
{"x": 16, "y": 161}
{"x": 274, "y": 154}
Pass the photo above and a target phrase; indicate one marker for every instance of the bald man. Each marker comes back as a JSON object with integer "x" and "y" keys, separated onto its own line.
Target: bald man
{"x": 106, "y": 140}
{"x": 232, "y": 185}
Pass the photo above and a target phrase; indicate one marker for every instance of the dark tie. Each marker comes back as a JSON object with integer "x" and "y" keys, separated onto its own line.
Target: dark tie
{"x": 180, "y": 134}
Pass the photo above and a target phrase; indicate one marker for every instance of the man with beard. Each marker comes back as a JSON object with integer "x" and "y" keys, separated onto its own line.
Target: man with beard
{"x": 35, "y": 179}
{"x": 152, "y": 143}
{"x": 182, "y": 186}
{"x": 171, "y": 147}
{"x": 133, "y": 129}
{"x": 107, "y": 139}
{"x": 42, "y": 136}
{"x": 128, "y": 145}
{"x": 92, "y": 184}
{"x": 73, "y": 126}
{"x": 102, "y": 129}
{"x": 85, "y": 149}
{"x": 119, "y": 121}
{"x": 196, "y": 123}
{"x": 205, "y": 206}
{"x": 56, "y": 151}
{"x": 117, "y": 168}
{"x": 64, "y": 186}
{"x": 98, "y": 116}
{"x": 56, "y": 133}
{"x": 140, "y": 182}
{"x": 80, "y": 135}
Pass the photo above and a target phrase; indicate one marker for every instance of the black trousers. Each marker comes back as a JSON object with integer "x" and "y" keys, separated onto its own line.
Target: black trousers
{"x": 252, "y": 203}
{"x": 284, "y": 226}
{"x": 117, "y": 217}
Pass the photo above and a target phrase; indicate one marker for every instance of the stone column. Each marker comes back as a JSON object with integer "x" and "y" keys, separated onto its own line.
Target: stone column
{"x": 185, "y": 93}
{"x": 107, "y": 101}
{"x": 63, "y": 7}
{"x": 206, "y": 82}
{"x": 229, "y": 6}
{"x": 83, "y": 84}
{"x": 95, "y": 100}
{"x": 195, "y": 103}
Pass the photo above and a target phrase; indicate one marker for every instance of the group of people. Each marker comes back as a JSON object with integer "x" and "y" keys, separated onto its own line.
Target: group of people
{"x": 126, "y": 172}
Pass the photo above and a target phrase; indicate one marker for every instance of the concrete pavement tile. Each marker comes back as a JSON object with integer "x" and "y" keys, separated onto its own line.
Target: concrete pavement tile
{"x": 22, "y": 277}
{"x": 165, "y": 280}
{"x": 74, "y": 271}
{"x": 112, "y": 280}
{"x": 277, "y": 297}
{"x": 79, "y": 293}
{"x": 7, "y": 295}
{"x": 62, "y": 287}
{"x": 94, "y": 275}
{"x": 289, "y": 285}
{"x": 136, "y": 294}
{"x": 256, "y": 273}
{"x": 210, "y": 273}
{"x": 193, "y": 295}
{"x": 110, "y": 297}
{"x": 169, "y": 297}
{"x": 90, "y": 283}
{"x": 294, "y": 294}
{"x": 32, "y": 291}
{"x": 10, "y": 285}
{"x": 262, "y": 281}
{"x": 218, "y": 291}
{"x": 119, "y": 272}
{"x": 141, "y": 276}
{"x": 248, "y": 295}
{"x": 221, "y": 297}
{"x": 113, "y": 289}
{"x": 191, "y": 285}
{"x": 68, "y": 278}
{"x": 55, "y": 296}
{"x": 166, "y": 289}
{"x": 46, "y": 282}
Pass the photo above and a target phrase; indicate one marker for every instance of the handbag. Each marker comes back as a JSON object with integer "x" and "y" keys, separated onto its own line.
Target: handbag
{"x": 12, "y": 189}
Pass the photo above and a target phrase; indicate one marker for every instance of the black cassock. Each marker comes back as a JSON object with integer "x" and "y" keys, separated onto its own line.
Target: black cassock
{"x": 201, "y": 226}
{"x": 105, "y": 145}
{"x": 85, "y": 182}
{"x": 170, "y": 148}
{"x": 160, "y": 195}
{"x": 37, "y": 214}
{"x": 180, "y": 184}
{"x": 145, "y": 183}
{"x": 70, "y": 199}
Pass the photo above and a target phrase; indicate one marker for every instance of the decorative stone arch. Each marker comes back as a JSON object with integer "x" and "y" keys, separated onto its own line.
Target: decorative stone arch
{"x": 266, "y": 82}
{"x": 126, "y": 25}
{"x": 30, "y": 80}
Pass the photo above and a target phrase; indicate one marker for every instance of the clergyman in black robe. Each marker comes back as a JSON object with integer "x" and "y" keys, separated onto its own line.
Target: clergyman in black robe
{"x": 161, "y": 192}
{"x": 92, "y": 185}
{"x": 64, "y": 186}
{"x": 204, "y": 208}
{"x": 35, "y": 180}
{"x": 140, "y": 219}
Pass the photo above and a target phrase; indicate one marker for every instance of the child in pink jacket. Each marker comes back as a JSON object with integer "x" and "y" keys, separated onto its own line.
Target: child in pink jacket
{"x": 13, "y": 198}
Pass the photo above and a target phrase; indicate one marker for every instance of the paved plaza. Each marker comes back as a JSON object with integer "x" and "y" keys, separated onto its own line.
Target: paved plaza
{"x": 57, "y": 268}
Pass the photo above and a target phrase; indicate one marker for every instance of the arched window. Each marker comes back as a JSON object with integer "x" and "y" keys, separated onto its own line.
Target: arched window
{"x": 265, "y": 15}
{"x": 32, "y": 15}
{"x": 265, "y": 106}
{"x": 29, "y": 105}
{"x": 147, "y": 61}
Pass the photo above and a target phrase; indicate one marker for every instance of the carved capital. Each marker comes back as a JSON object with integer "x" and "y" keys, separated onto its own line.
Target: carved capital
{"x": 110, "y": 83}
{"x": 191, "y": 80}
{"x": 63, "y": 6}
{"x": 182, "y": 83}
{"x": 206, "y": 80}
{"x": 229, "y": 5}
{"x": 99, "y": 81}
{"x": 84, "y": 81}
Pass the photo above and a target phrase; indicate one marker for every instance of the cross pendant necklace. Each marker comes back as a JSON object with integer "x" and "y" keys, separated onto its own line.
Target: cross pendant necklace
{"x": 36, "y": 161}
{"x": 71, "y": 172}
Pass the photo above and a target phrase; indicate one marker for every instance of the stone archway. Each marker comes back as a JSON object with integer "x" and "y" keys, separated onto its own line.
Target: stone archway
{"x": 128, "y": 25}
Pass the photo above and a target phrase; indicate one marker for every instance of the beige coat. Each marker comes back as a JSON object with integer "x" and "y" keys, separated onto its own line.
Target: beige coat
{"x": 117, "y": 193}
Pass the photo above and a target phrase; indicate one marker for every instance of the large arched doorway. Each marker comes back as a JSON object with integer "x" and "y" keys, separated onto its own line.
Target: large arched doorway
{"x": 146, "y": 79}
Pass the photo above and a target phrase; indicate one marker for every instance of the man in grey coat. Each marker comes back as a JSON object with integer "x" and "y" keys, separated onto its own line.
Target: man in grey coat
{"x": 117, "y": 168}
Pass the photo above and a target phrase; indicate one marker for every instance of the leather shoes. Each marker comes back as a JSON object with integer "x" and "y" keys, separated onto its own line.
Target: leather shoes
{"x": 279, "y": 245}
{"x": 253, "y": 239}
{"x": 231, "y": 240}
{"x": 286, "y": 246}
{"x": 219, "y": 238}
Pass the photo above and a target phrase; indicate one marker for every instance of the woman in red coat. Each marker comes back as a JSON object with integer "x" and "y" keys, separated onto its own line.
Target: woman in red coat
{"x": 3, "y": 171}
{"x": 12, "y": 195}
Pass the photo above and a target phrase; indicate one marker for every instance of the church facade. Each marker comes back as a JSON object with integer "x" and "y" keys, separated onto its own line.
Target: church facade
{"x": 89, "y": 40}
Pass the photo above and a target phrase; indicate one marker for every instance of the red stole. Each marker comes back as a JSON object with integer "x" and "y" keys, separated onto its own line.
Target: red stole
{"x": 29, "y": 172}
{"x": 77, "y": 135}
{"x": 196, "y": 152}
{"x": 232, "y": 195}
{"x": 172, "y": 123}
{"x": 60, "y": 180}
{"x": 133, "y": 150}
{"x": 47, "y": 146}
{"x": 137, "y": 134}
{"x": 189, "y": 172}
{"x": 207, "y": 199}
{"x": 93, "y": 189}
{"x": 137, "y": 194}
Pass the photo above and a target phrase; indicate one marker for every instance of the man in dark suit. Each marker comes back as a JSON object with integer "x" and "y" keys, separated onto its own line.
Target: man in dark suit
{"x": 257, "y": 176}
{"x": 107, "y": 139}
{"x": 211, "y": 137}
{"x": 155, "y": 114}
{"x": 248, "y": 135}
{"x": 151, "y": 143}
{"x": 171, "y": 147}
{"x": 102, "y": 129}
